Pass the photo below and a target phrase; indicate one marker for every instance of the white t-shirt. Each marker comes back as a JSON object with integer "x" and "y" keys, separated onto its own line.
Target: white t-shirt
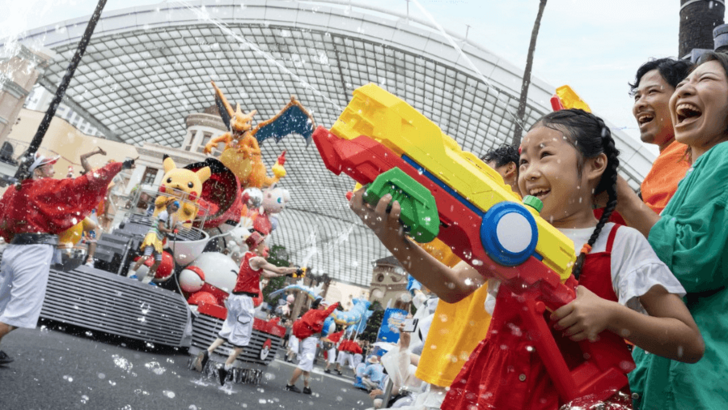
{"x": 635, "y": 266}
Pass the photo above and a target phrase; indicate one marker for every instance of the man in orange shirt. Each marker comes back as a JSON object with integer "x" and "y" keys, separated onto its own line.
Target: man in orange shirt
{"x": 654, "y": 84}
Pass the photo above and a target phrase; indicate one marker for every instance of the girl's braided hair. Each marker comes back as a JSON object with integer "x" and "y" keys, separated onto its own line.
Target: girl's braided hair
{"x": 591, "y": 137}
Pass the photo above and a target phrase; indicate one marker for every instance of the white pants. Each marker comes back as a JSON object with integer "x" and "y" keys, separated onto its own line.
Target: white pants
{"x": 344, "y": 358}
{"x": 308, "y": 353}
{"x": 355, "y": 360}
{"x": 293, "y": 344}
{"x": 23, "y": 279}
{"x": 238, "y": 325}
{"x": 331, "y": 355}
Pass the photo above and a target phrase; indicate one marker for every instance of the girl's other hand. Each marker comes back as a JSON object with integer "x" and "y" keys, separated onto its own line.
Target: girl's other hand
{"x": 385, "y": 225}
{"x": 585, "y": 317}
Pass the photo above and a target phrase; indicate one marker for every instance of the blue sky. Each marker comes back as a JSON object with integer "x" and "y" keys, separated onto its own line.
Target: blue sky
{"x": 594, "y": 46}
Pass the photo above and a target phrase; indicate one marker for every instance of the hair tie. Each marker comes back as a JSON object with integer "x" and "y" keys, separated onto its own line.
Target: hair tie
{"x": 586, "y": 248}
{"x": 605, "y": 132}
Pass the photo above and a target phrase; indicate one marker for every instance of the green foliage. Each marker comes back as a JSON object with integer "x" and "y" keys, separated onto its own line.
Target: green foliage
{"x": 374, "y": 323}
{"x": 279, "y": 257}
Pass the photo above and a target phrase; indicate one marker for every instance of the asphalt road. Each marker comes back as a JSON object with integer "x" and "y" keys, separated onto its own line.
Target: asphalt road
{"x": 57, "y": 370}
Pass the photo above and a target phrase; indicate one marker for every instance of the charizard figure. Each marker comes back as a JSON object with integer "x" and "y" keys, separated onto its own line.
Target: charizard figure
{"x": 242, "y": 151}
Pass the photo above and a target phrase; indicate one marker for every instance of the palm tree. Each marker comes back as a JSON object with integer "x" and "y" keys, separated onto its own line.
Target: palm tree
{"x": 697, "y": 21}
{"x": 527, "y": 77}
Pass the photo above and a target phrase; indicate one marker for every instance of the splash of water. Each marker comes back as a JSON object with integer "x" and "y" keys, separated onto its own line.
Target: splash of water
{"x": 472, "y": 66}
{"x": 341, "y": 238}
{"x": 203, "y": 15}
{"x": 310, "y": 251}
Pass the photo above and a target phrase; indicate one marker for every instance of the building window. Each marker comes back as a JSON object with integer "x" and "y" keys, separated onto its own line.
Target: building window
{"x": 206, "y": 137}
{"x": 150, "y": 174}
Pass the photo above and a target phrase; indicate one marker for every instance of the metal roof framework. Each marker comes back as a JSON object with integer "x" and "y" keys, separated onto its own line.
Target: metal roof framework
{"x": 147, "y": 68}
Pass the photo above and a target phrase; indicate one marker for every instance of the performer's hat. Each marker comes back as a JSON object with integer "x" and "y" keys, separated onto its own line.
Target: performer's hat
{"x": 254, "y": 240}
{"x": 40, "y": 160}
{"x": 373, "y": 359}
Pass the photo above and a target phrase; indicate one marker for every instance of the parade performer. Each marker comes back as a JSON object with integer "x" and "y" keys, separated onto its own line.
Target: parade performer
{"x": 238, "y": 326}
{"x": 306, "y": 329}
{"x": 345, "y": 355}
{"x": 31, "y": 215}
{"x": 153, "y": 243}
{"x": 99, "y": 213}
{"x": 333, "y": 339}
{"x": 293, "y": 348}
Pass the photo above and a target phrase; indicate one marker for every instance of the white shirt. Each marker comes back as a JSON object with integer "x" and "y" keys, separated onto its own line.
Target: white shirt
{"x": 635, "y": 268}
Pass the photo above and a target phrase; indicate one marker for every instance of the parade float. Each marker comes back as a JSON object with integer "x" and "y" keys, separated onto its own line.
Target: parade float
{"x": 186, "y": 309}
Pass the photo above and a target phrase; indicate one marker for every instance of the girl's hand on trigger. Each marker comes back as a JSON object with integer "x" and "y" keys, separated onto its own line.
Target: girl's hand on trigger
{"x": 585, "y": 317}
{"x": 384, "y": 225}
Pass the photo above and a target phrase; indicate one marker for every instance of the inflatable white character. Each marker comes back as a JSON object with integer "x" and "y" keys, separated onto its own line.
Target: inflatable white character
{"x": 209, "y": 279}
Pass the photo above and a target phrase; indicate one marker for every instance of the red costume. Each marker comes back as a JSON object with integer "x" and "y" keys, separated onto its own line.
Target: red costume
{"x": 505, "y": 372}
{"x": 248, "y": 281}
{"x": 30, "y": 217}
{"x": 312, "y": 322}
{"x": 355, "y": 348}
{"x": 335, "y": 337}
{"x": 53, "y": 205}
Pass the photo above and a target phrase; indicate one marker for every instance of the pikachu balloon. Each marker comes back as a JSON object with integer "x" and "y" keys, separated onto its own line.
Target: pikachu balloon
{"x": 182, "y": 184}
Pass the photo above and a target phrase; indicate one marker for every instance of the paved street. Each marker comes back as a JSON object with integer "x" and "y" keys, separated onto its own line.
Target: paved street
{"x": 56, "y": 370}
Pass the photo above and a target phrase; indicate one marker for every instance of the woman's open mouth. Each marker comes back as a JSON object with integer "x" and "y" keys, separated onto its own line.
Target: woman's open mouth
{"x": 687, "y": 114}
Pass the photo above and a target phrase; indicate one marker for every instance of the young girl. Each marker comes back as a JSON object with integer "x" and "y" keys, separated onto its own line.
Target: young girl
{"x": 691, "y": 237}
{"x": 566, "y": 157}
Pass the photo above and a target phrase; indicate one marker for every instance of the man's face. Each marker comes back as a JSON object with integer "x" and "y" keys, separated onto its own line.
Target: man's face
{"x": 651, "y": 109}
{"x": 508, "y": 172}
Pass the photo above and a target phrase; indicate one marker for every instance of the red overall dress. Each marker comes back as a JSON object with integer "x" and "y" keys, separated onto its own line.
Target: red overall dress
{"x": 505, "y": 372}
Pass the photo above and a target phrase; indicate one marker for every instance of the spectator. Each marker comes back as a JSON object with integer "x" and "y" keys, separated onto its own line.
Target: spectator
{"x": 373, "y": 374}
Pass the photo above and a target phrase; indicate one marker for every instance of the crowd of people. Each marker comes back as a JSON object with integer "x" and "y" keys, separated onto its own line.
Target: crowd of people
{"x": 651, "y": 267}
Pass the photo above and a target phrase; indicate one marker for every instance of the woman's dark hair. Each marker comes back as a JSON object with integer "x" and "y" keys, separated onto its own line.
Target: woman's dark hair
{"x": 722, "y": 58}
{"x": 591, "y": 137}
{"x": 503, "y": 155}
{"x": 672, "y": 71}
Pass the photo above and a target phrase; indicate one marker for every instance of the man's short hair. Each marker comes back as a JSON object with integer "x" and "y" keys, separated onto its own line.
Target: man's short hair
{"x": 503, "y": 155}
{"x": 672, "y": 71}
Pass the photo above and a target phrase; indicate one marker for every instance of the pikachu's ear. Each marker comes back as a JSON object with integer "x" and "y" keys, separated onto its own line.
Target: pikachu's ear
{"x": 203, "y": 174}
{"x": 169, "y": 164}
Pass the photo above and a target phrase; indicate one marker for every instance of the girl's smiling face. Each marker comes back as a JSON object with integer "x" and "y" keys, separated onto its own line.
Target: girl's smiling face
{"x": 699, "y": 108}
{"x": 551, "y": 169}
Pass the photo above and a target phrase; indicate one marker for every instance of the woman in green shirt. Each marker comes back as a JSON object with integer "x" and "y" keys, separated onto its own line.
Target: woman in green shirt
{"x": 691, "y": 237}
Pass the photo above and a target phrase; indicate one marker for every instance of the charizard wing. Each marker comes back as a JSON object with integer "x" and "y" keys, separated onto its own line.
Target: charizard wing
{"x": 292, "y": 119}
{"x": 223, "y": 112}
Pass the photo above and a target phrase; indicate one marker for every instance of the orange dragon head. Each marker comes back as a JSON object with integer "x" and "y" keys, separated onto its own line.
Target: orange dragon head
{"x": 241, "y": 122}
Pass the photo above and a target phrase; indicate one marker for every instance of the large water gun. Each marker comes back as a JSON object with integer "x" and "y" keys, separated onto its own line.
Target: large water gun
{"x": 447, "y": 193}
